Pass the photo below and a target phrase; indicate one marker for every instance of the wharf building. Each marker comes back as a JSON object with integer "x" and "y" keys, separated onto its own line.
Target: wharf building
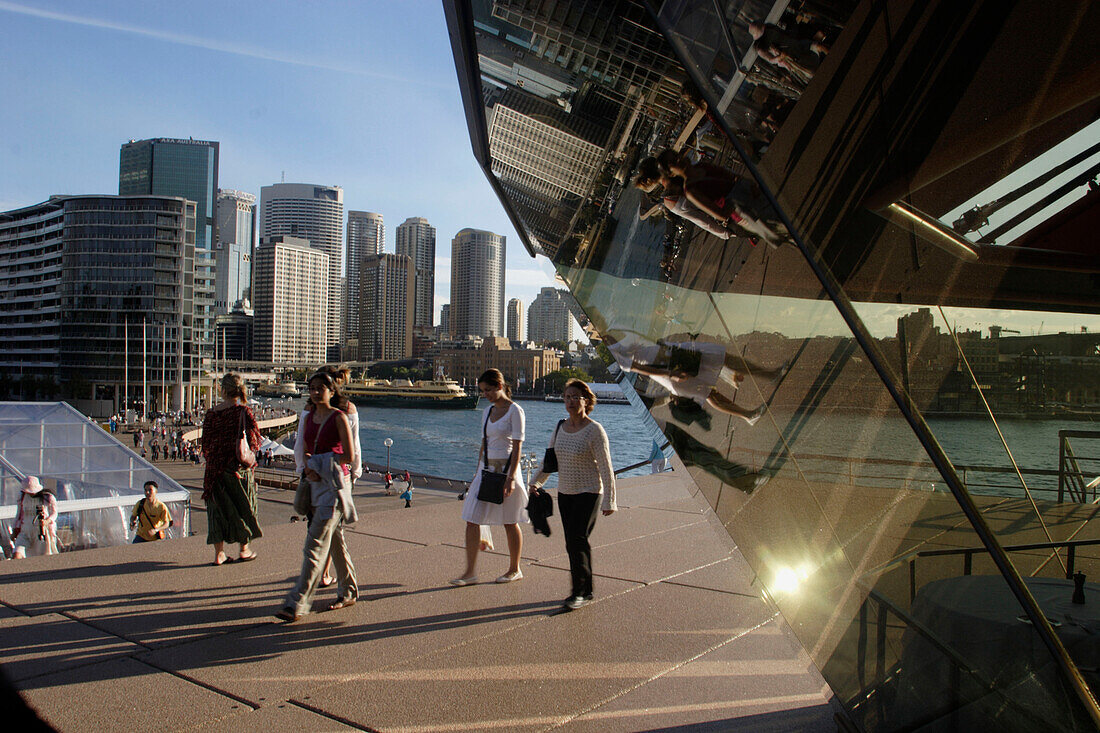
{"x": 464, "y": 362}
{"x": 236, "y": 243}
{"x": 514, "y": 324}
{"x": 915, "y": 503}
{"x": 416, "y": 238}
{"x": 366, "y": 237}
{"x": 292, "y": 301}
{"x": 387, "y": 302}
{"x": 96, "y": 302}
{"x": 233, "y": 334}
{"x": 549, "y": 317}
{"x": 315, "y": 213}
{"x": 477, "y": 284}
{"x": 189, "y": 169}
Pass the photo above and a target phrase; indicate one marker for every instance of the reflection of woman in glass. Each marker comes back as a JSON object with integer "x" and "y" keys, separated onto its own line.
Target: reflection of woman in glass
{"x": 674, "y": 200}
{"x": 712, "y": 190}
{"x": 695, "y": 370}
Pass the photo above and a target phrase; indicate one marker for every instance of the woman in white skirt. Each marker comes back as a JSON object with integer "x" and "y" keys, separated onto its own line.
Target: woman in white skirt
{"x": 503, "y": 423}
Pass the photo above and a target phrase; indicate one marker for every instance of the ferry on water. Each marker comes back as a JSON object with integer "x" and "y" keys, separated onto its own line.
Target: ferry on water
{"x": 278, "y": 389}
{"x": 442, "y": 394}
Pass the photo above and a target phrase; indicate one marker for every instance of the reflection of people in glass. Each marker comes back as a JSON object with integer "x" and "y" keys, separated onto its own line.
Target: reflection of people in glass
{"x": 797, "y": 56}
{"x": 695, "y": 370}
{"x": 674, "y": 200}
{"x": 718, "y": 192}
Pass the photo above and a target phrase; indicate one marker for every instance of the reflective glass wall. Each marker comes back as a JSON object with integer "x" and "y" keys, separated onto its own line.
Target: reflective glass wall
{"x": 843, "y": 252}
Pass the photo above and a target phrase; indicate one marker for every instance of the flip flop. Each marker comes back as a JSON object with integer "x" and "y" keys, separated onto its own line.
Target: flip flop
{"x": 326, "y": 584}
{"x": 226, "y": 561}
{"x": 250, "y": 558}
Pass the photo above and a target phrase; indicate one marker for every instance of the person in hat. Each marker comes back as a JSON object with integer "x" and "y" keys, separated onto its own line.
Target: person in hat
{"x": 586, "y": 484}
{"x": 35, "y": 528}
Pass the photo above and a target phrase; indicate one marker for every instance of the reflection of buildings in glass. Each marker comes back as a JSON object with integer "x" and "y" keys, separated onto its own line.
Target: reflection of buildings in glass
{"x": 387, "y": 302}
{"x": 291, "y": 301}
{"x": 613, "y": 43}
{"x": 315, "y": 213}
{"x": 366, "y": 236}
{"x": 549, "y": 317}
{"x": 477, "y": 284}
{"x": 515, "y": 320}
{"x": 416, "y": 238}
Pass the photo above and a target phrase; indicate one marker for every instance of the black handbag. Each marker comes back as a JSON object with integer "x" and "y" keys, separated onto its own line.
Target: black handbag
{"x": 550, "y": 457}
{"x": 491, "y": 489}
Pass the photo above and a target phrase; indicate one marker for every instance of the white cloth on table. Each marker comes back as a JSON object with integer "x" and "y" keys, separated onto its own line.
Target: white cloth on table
{"x": 499, "y": 437}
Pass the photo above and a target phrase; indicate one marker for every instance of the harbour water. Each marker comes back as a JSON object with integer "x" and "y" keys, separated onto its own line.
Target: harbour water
{"x": 446, "y": 442}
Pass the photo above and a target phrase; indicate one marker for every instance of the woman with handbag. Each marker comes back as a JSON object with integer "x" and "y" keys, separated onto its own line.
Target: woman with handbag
{"x": 583, "y": 459}
{"x": 230, "y": 437}
{"x": 497, "y": 494}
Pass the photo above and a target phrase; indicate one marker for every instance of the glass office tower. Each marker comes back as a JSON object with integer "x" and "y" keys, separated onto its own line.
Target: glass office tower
{"x": 189, "y": 169}
{"x": 844, "y": 254}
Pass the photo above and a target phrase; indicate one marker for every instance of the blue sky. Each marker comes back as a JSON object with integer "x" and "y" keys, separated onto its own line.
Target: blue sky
{"x": 359, "y": 94}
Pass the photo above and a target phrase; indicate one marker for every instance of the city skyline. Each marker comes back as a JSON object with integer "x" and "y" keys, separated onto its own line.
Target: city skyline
{"x": 353, "y": 97}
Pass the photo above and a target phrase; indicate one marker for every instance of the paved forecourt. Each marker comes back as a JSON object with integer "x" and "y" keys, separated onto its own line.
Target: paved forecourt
{"x": 153, "y": 637}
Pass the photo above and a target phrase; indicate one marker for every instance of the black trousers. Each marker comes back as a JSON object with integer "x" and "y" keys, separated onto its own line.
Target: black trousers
{"x": 578, "y": 517}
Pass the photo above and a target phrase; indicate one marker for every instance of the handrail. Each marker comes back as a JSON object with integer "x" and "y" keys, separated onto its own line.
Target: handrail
{"x": 639, "y": 464}
{"x": 969, "y": 552}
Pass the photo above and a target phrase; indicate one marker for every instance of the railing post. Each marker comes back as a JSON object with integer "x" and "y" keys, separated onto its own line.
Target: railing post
{"x": 968, "y": 562}
{"x": 1071, "y": 553}
{"x": 1061, "y": 465}
{"x": 912, "y": 580}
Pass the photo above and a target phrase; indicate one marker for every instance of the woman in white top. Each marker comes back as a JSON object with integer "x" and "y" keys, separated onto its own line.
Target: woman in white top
{"x": 584, "y": 475}
{"x": 503, "y": 439}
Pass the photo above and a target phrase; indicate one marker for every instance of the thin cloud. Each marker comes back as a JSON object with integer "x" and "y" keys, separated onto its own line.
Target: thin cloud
{"x": 207, "y": 43}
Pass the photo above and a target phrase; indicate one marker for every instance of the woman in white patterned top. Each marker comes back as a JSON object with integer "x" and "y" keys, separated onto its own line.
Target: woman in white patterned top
{"x": 504, "y": 425}
{"x": 584, "y": 475}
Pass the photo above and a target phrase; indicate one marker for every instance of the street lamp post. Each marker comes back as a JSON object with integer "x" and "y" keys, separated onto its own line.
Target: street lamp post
{"x": 387, "y": 442}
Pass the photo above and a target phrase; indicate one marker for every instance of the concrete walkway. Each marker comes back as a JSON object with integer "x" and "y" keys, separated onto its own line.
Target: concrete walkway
{"x": 151, "y": 637}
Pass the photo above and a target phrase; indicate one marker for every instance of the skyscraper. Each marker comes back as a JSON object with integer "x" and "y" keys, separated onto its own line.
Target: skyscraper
{"x": 292, "y": 301}
{"x": 387, "y": 298}
{"x": 189, "y": 169}
{"x": 366, "y": 237}
{"x": 477, "y": 284}
{"x": 515, "y": 319}
{"x": 549, "y": 317}
{"x": 445, "y": 320}
{"x": 236, "y": 232}
{"x": 416, "y": 238}
{"x": 315, "y": 213}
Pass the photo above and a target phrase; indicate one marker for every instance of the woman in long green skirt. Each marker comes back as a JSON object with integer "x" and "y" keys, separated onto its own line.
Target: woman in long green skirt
{"x": 229, "y": 487}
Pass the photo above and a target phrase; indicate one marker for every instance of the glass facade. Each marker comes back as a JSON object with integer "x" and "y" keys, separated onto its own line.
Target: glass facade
{"x": 189, "y": 169}
{"x": 838, "y": 249}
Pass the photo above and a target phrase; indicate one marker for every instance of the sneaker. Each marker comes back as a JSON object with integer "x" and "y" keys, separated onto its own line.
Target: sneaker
{"x": 288, "y": 615}
{"x": 460, "y": 582}
{"x": 578, "y": 602}
{"x": 509, "y": 577}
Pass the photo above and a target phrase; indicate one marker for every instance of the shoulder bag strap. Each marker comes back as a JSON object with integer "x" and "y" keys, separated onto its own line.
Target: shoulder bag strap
{"x": 485, "y": 438}
{"x": 554, "y": 437}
